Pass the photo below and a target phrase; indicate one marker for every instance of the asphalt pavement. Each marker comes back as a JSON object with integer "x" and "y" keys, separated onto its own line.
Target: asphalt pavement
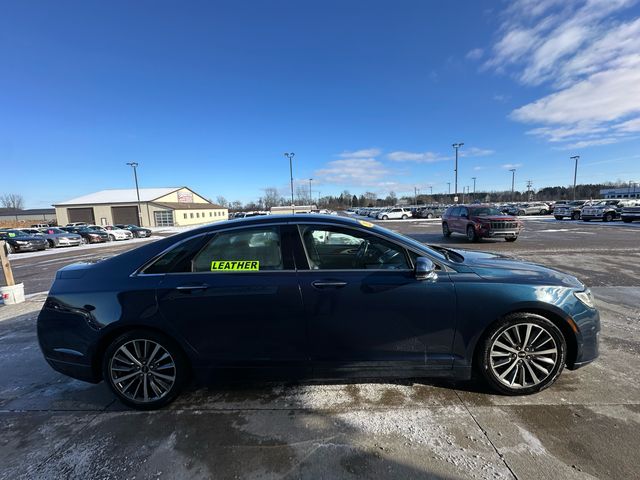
{"x": 584, "y": 426}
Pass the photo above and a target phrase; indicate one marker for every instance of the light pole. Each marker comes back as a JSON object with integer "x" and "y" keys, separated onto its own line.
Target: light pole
{"x": 310, "y": 196}
{"x": 290, "y": 157}
{"x": 575, "y": 174}
{"x": 474, "y": 185}
{"x": 449, "y": 186}
{"x": 513, "y": 182}
{"x": 134, "y": 165}
{"x": 457, "y": 146}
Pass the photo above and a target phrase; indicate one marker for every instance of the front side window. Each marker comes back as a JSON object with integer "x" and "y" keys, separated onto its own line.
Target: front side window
{"x": 338, "y": 248}
{"x": 254, "y": 249}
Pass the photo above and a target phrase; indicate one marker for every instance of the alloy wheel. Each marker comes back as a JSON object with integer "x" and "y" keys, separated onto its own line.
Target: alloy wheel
{"x": 523, "y": 355}
{"x": 142, "y": 370}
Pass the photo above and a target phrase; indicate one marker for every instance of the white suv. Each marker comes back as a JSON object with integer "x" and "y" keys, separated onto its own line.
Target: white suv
{"x": 394, "y": 213}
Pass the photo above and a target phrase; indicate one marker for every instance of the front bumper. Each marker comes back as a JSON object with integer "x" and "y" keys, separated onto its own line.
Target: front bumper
{"x": 29, "y": 247}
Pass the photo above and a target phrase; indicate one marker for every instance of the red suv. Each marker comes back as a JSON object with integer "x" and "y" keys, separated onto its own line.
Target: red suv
{"x": 480, "y": 221}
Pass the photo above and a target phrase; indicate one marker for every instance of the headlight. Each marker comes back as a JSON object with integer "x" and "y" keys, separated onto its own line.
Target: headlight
{"x": 586, "y": 298}
{"x": 21, "y": 242}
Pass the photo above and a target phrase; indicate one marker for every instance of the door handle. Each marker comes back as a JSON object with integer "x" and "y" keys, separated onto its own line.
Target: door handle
{"x": 189, "y": 288}
{"x": 328, "y": 284}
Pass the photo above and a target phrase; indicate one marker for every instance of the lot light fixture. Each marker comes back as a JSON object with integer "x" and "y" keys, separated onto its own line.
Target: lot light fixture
{"x": 513, "y": 182}
{"x": 456, "y": 146}
{"x": 575, "y": 174}
{"x": 290, "y": 157}
{"x": 134, "y": 165}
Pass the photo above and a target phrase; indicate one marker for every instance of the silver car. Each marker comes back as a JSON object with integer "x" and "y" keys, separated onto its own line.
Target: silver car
{"x": 59, "y": 238}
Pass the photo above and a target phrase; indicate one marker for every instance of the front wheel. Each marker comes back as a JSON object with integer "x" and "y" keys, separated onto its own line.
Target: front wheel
{"x": 575, "y": 216}
{"x": 112, "y": 238}
{"x": 471, "y": 234}
{"x": 145, "y": 369}
{"x": 521, "y": 354}
{"x": 608, "y": 217}
{"x": 84, "y": 241}
{"x": 384, "y": 217}
{"x": 429, "y": 215}
{"x": 445, "y": 230}
{"x": 10, "y": 249}
{"x": 404, "y": 217}
{"x": 521, "y": 213}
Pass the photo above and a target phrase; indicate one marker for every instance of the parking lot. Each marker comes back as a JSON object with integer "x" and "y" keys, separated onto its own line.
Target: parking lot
{"x": 584, "y": 426}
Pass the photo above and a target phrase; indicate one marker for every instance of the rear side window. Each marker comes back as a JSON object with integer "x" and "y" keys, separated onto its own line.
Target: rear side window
{"x": 253, "y": 249}
{"x": 178, "y": 259}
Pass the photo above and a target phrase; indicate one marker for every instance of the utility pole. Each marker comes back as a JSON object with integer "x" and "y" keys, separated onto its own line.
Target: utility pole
{"x": 456, "y": 146}
{"x": 575, "y": 174}
{"x": 134, "y": 165}
{"x": 529, "y": 193}
{"x": 513, "y": 182}
{"x": 290, "y": 157}
{"x": 310, "y": 196}
{"x": 474, "y": 186}
{"x": 430, "y": 189}
{"x": 449, "y": 185}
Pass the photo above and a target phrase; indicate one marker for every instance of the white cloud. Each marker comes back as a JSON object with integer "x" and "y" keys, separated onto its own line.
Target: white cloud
{"x": 475, "y": 54}
{"x": 364, "y": 153}
{"x": 587, "y": 55}
{"x": 509, "y": 166}
{"x": 476, "y": 152}
{"x": 353, "y": 172}
{"x": 417, "y": 157}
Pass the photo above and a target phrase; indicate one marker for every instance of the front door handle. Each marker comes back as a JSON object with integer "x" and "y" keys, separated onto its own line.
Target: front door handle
{"x": 190, "y": 288}
{"x": 328, "y": 284}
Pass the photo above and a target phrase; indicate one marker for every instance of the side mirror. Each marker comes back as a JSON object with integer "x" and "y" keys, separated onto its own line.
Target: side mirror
{"x": 425, "y": 269}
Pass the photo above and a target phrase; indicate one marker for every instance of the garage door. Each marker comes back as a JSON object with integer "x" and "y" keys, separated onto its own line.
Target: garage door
{"x": 81, "y": 215}
{"x": 125, "y": 215}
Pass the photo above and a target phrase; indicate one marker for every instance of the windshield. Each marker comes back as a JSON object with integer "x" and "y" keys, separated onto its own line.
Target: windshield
{"x": 53, "y": 230}
{"x": 486, "y": 212}
{"x": 414, "y": 243}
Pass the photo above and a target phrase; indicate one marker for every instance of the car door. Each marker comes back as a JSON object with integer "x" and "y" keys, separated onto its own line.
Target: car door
{"x": 236, "y": 300}
{"x": 364, "y": 307}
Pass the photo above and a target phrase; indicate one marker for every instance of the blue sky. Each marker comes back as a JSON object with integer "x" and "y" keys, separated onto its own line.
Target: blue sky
{"x": 369, "y": 95}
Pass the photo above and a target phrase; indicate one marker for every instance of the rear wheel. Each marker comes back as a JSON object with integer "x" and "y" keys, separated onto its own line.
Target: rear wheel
{"x": 429, "y": 215}
{"x": 575, "y": 216}
{"x": 51, "y": 243}
{"x": 445, "y": 230}
{"x": 112, "y": 238}
{"x": 10, "y": 249}
{"x": 471, "y": 234}
{"x": 543, "y": 212}
{"x": 385, "y": 217}
{"x": 523, "y": 353}
{"x": 84, "y": 241}
{"x": 521, "y": 213}
{"x": 608, "y": 217}
{"x": 404, "y": 217}
{"x": 145, "y": 369}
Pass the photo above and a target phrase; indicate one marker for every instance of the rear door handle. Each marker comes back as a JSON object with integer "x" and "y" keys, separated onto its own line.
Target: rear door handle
{"x": 189, "y": 288}
{"x": 328, "y": 284}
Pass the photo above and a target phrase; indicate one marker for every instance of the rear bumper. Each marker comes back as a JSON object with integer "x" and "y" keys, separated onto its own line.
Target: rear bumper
{"x": 75, "y": 370}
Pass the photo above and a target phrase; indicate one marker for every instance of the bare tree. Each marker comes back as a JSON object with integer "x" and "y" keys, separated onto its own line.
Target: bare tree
{"x": 270, "y": 197}
{"x": 14, "y": 201}
{"x": 220, "y": 200}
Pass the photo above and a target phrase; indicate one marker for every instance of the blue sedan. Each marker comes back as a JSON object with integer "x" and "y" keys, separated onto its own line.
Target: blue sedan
{"x": 312, "y": 296}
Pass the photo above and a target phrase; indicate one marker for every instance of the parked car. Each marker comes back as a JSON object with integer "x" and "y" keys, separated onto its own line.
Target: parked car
{"x": 605, "y": 210}
{"x": 89, "y": 235}
{"x": 480, "y": 221}
{"x": 630, "y": 213}
{"x": 522, "y": 209}
{"x": 40, "y": 225}
{"x": 432, "y": 212}
{"x": 375, "y": 302}
{"x": 77, "y": 224}
{"x": 114, "y": 233}
{"x": 572, "y": 210}
{"x": 18, "y": 241}
{"x": 57, "y": 237}
{"x": 141, "y": 232}
{"x": 394, "y": 213}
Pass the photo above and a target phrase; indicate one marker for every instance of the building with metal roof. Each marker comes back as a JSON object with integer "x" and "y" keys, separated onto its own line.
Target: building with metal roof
{"x": 159, "y": 207}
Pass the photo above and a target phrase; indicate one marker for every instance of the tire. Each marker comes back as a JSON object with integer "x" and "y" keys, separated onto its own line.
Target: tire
{"x": 543, "y": 212}
{"x": 511, "y": 239}
{"x": 51, "y": 244}
{"x": 84, "y": 241}
{"x": 160, "y": 391}
{"x": 471, "y": 234}
{"x": 521, "y": 213}
{"x": 404, "y": 217}
{"x": 429, "y": 215}
{"x": 547, "y": 337}
{"x": 558, "y": 218}
{"x": 112, "y": 238}
{"x": 385, "y": 217}
{"x": 445, "y": 230}
{"x": 608, "y": 217}
{"x": 9, "y": 248}
{"x": 575, "y": 216}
